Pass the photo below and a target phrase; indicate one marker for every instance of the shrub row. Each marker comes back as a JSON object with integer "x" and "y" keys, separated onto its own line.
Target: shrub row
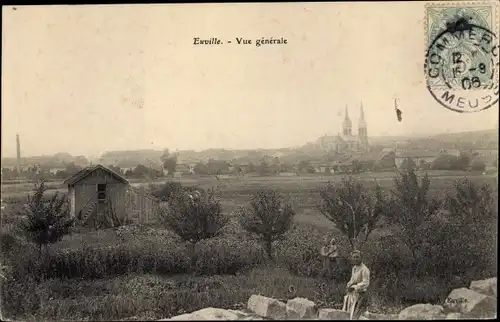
{"x": 139, "y": 256}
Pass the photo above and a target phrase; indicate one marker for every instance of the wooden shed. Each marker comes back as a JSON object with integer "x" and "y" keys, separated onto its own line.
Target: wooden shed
{"x": 97, "y": 196}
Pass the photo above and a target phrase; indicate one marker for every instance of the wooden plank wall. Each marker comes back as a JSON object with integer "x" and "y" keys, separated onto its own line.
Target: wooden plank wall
{"x": 140, "y": 206}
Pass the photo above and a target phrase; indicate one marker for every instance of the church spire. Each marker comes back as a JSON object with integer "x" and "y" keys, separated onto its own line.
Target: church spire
{"x": 362, "y": 129}
{"x": 347, "y": 126}
{"x": 362, "y": 122}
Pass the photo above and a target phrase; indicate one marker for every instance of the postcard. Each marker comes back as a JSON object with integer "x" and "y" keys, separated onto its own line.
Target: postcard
{"x": 250, "y": 161}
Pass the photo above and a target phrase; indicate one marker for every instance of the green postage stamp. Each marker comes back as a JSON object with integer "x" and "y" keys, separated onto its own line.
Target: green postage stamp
{"x": 461, "y": 62}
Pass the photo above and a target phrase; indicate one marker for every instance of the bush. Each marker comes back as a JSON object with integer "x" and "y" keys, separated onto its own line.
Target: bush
{"x": 228, "y": 255}
{"x": 478, "y": 165}
{"x": 151, "y": 297}
{"x": 408, "y": 164}
{"x": 462, "y": 240}
{"x": 170, "y": 188}
{"x": 148, "y": 254}
{"x": 299, "y": 252}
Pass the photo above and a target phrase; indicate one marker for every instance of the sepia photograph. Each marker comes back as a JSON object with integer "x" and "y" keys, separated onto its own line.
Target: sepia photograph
{"x": 250, "y": 161}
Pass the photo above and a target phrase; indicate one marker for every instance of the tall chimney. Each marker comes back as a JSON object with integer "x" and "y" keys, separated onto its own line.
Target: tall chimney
{"x": 18, "y": 144}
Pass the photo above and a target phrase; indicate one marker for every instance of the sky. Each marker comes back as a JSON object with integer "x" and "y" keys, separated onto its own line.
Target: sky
{"x": 90, "y": 79}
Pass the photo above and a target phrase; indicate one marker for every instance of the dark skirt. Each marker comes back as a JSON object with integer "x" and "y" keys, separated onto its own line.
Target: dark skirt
{"x": 328, "y": 265}
{"x": 361, "y": 305}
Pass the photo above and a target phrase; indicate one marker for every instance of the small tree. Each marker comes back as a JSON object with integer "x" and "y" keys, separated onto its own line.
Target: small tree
{"x": 464, "y": 161}
{"x": 408, "y": 164}
{"x": 116, "y": 169}
{"x": 471, "y": 205}
{"x": 445, "y": 162}
{"x": 46, "y": 221}
{"x": 194, "y": 218}
{"x": 352, "y": 208}
{"x": 410, "y": 208}
{"x": 357, "y": 166}
{"x": 169, "y": 161}
{"x": 388, "y": 161}
{"x": 270, "y": 217}
{"x": 170, "y": 188}
{"x": 478, "y": 165}
{"x": 304, "y": 166}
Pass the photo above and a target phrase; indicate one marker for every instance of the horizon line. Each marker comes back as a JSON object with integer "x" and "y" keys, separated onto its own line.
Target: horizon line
{"x": 246, "y": 149}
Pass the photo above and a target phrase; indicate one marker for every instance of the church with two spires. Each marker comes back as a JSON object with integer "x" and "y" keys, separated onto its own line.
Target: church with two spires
{"x": 347, "y": 141}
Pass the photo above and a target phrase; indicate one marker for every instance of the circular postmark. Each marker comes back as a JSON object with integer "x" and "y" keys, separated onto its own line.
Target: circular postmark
{"x": 462, "y": 67}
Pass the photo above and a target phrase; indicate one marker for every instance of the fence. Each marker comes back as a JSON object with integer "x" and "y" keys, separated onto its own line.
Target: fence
{"x": 140, "y": 206}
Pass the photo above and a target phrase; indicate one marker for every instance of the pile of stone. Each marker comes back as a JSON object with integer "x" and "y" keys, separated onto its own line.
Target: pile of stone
{"x": 260, "y": 307}
{"x": 477, "y": 301}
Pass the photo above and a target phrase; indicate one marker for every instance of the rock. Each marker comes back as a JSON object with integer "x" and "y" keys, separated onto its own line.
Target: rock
{"x": 301, "y": 308}
{"x": 453, "y": 316}
{"x": 378, "y": 316}
{"x": 267, "y": 307}
{"x": 182, "y": 317}
{"x": 215, "y": 314}
{"x": 422, "y": 312}
{"x": 363, "y": 318}
{"x": 246, "y": 316}
{"x": 471, "y": 303}
{"x": 333, "y": 314}
{"x": 486, "y": 287}
{"x": 208, "y": 313}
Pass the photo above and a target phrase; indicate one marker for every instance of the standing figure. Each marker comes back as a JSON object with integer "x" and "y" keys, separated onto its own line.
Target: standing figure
{"x": 330, "y": 254}
{"x": 356, "y": 300}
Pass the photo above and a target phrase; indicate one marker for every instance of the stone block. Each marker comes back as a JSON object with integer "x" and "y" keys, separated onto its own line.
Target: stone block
{"x": 487, "y": 287}
{"x": 378, "y": 316}
{"x": 471, "y": 304}
{"x": 301, "y": 308}
{"x": 333, "y": 314}
{"x": 422, "y": 312}
{"x": 453, "y": 316}
{"x": 267, "y": 307}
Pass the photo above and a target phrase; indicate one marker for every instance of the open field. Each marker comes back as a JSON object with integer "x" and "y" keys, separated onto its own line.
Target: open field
{"x": 144, "y": 272}
{"x": 301, "y": 190}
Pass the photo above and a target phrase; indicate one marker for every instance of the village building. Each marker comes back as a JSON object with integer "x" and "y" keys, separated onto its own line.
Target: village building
{"x": 243, "y": 167}
{"x": 486, "y": 152}
{"x": 100, "y": 197}
{"x": 183, "y": 169}
{"x": 418, "y": 156}
{"x": 322, "y": 167}
{"x": 55, "y": 170}
{"x": 454, "y": 152}
{"x": 288, "y": 174}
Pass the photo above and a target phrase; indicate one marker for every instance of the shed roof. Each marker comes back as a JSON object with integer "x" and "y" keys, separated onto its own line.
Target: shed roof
{"x": 80, "y": 175}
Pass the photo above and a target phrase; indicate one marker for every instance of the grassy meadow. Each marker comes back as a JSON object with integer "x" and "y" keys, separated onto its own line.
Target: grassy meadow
{"x": 144, "y": 272}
